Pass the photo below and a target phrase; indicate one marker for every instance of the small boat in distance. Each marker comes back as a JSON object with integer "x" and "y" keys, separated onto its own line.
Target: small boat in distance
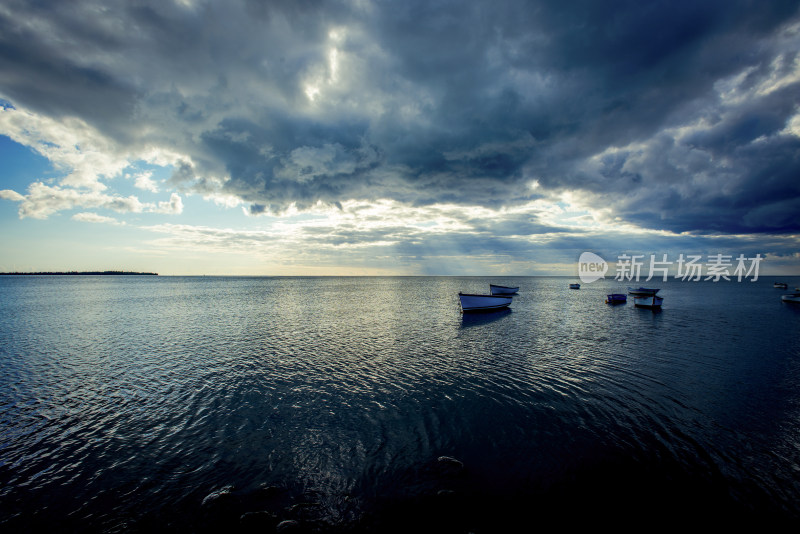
{"x": 791, "y": 297}
{"x": 472, "y": 302}
{"x": 780, "y": 285}
{"x": 642, "y": 291}
{"x": 648, "y": 301}
{"x": 616, "y": 298}
{"x": 502, "y": 290}
{"x": 574, "y": 286}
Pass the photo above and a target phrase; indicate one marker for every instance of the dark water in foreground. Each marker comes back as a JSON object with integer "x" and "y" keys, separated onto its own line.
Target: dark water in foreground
{"x": 144, "y": 404}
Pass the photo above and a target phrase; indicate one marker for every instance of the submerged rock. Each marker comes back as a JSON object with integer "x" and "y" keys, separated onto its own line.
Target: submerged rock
{"x": 261, "y": 521}
{"x": 288, "y": 525}
{"x": 218, "y": 509}
{"x": 219, "y": 497}
{"x": 448, "y": 465}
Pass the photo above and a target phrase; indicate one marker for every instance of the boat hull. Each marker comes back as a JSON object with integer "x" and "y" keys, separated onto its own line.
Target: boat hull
{"x": 574, "y": 286}
{"x": 472, "y": 302}
{"x": 502, "y": 290}
{"x": 791, "y": 297}
{"x": 780, "y": 285}
{"x": 651, "y": 301}
{"x": 642, "y": 291}
{"x": 616, "y": 298}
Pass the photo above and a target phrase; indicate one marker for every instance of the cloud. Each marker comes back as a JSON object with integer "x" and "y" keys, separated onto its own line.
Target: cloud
{"x": 145, "y": 181}
{"x": 305, "y": 164}
{"x": 435, "y": 243}
{"x": 81, "y": 152}
{"x": 8, "y": 194}
{"x": 173, "y": 207}
{"x": 95, "y": 218}
{"x": 43, "y": 200}
{"x": 673, "y": 116}
{"x": 188, "y": 237}
{"x": 369, "y": 227}
{"x": 733, "y": 170}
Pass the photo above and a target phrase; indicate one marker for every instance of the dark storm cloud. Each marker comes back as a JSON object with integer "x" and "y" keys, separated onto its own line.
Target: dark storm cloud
{"x": 38, "y": 70}
{"x": 427, "y": 102}
{"x": 738, "y": 176}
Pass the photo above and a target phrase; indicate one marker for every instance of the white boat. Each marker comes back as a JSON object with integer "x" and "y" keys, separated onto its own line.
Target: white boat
{"x": 574, "y": 286}
{"x": 780, "y": 285}
{"x": 502, "y": 290}
{"x": 791, "y": 297}
{"x": 473, "y": 302}
{"x": 647, "y": 301}
{"x": 642, "y": 291}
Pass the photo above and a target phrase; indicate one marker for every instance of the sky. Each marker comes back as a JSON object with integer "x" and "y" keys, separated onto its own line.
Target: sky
{"x": 425, "y": 137}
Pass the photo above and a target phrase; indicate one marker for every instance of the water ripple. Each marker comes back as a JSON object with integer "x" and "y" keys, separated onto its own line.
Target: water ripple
{"x": 125, "y": 403}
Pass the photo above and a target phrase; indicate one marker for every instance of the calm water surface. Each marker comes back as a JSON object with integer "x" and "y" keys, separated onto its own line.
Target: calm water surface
{"x": 187, "y": 404}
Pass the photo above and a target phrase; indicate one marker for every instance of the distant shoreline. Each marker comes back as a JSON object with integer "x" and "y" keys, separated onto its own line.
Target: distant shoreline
{"x": 126, "y": 273}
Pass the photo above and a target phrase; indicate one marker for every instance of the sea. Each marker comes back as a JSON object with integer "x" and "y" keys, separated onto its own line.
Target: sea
{"x": 372, "y": 404}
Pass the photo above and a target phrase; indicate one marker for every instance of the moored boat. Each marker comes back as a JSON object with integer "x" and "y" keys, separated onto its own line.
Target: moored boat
{"x": 502, "y": 290}
{"x": 473, "y": 302}
{"x": 648, "y": 301}
{"x": 616, "y": 298}
{"x": 780, "y": 285}
{"x": 642, "y": 291}
{"x": 574, "y": 286}
{"x": 791, "y": 297}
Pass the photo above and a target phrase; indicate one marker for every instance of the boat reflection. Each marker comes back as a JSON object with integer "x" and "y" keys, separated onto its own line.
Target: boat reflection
{"x": 475, "y": 318}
